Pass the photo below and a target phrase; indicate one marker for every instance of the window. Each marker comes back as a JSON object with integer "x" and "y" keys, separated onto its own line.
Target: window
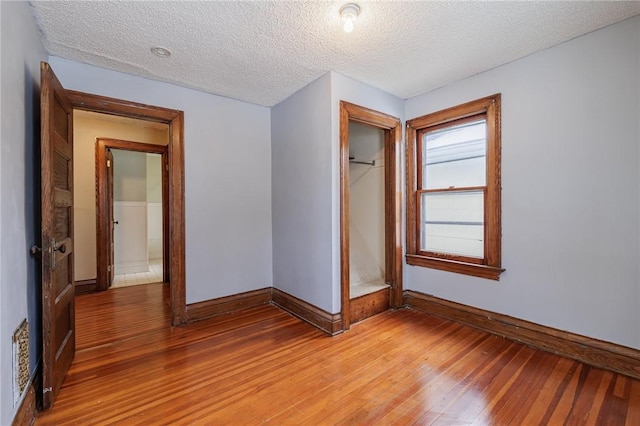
{"x": 453, "y": 189}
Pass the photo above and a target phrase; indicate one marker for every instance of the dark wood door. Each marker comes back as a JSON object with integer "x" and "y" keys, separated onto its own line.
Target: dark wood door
{"x": 58, "y": 292}
{"x": 112, "y": 222}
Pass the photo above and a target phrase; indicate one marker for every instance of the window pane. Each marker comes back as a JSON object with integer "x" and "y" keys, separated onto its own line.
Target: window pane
{"x": 453, "y": 223}
{"x": 455, "y": 156}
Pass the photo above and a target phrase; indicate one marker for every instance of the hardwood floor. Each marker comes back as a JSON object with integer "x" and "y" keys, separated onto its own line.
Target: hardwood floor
{"x": 264, "y": 365}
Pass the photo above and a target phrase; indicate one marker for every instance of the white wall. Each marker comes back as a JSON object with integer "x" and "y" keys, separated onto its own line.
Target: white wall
{"x": 20, "y": 294}
{"x": 154, "y": 230}
{"x": 131, "y": 253}
{"x": 301, "y": 194}
{"x": 154, "y": 205}
{"x": 154, "y": 178}
{"x": 366, "y": 204}
{"x": 571, "y": 185}
{"x": 130, "y": 240}
{"x": 305, "y": 135}
{"x": 129, "y": 175}
{"x": 227, "y": 178}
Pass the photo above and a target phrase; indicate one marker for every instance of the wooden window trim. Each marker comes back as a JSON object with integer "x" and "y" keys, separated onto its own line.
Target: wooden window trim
{"x": 490, "y": 266}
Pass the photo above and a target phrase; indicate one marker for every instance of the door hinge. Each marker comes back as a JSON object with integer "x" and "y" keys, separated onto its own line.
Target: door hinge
{"x": 45, "y": 390}
{"x": 166, "y": 167}
{"x": 108, "y": 163}
{"x": 109, "y": 268}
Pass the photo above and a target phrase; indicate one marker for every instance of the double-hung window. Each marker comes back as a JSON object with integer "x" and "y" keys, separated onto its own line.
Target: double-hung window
{"x": 453, "y": 189}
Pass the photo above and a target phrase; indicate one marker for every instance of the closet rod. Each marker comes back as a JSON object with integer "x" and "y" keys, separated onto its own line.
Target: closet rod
{"x": 367, "y": 163}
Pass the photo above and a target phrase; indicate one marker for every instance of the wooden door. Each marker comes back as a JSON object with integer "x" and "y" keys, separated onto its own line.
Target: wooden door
{"x": 58, "y": 292}
{"x": 112, "y": 222}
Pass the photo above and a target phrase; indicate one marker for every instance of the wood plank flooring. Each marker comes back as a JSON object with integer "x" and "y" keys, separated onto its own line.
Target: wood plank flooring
{"x": 264, "y": 366}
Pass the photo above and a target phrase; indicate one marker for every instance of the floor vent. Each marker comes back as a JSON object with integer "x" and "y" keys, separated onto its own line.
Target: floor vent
{"x": 20, "y": 360}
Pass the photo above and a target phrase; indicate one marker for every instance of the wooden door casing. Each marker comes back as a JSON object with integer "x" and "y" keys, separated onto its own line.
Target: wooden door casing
{"x": 110, "y": 218}
{"x": 393, "y": 202}
{"x": 175, "y": 182}
{"x": 104, "y": 206}
{"x": 58, "y": 291}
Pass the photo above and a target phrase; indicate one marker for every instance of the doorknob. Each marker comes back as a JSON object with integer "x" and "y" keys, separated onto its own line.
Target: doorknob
{"x": 115, "y": 222}
{"x": 54, "y": 248}
{"x": 35, "y": 250}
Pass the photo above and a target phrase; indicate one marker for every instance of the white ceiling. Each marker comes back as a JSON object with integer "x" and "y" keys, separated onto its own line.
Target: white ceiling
{"x": 263, "y": 51}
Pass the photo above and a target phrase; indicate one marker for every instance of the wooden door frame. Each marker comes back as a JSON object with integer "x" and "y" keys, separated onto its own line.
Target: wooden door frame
{"x": 110, "y": 238}
{"x": 175, "y": 178}
{"x": 393, "y": 201}
{"x": 103, "y": 247}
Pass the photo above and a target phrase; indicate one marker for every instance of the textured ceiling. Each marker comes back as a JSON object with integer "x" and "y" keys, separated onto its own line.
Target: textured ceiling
{"x": 263, "y": 51}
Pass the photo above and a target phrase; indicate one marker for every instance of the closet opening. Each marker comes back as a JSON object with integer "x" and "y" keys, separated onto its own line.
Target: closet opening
{"x": 370, "y": 208}
{"x": 366, "y": 211}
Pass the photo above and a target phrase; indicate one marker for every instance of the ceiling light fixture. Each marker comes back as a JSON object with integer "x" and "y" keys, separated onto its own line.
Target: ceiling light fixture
{"x": 161, "y": 52}
{"x": 349, "y": 13}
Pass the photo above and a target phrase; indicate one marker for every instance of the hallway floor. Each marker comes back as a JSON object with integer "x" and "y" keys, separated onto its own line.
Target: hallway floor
{"x": 153, "y": 276}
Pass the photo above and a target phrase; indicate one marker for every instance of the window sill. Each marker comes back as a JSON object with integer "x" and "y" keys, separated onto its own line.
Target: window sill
{"x": 482, "y": 271}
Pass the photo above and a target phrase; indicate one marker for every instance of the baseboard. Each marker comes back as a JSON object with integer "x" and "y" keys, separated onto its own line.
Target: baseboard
{"x": 597, "y": 353}
{"x": 329, "y": 323}
{"x": 224, "y": 305}
{"x": 85, "y": 286}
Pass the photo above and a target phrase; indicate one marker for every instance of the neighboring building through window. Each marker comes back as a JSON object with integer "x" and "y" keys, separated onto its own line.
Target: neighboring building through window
{"x": 453, "y": 189}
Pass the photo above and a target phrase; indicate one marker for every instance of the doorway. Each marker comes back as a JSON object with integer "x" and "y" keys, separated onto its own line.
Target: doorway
{"x": 137, "y": 219}
{"x": 132, "y": 213}
{"x": 94, "y": 263}
{"x": 370, "y": 244}
{"x": 366, "y": 211}
{"x": 175, "y": 177}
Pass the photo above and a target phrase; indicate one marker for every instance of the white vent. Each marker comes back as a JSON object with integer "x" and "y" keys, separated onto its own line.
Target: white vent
{"x": 20, "y": 361}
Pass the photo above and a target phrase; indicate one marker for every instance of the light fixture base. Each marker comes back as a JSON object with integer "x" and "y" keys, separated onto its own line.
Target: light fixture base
{"x": 349, "y": 9}
{"x": 161, "y": 51}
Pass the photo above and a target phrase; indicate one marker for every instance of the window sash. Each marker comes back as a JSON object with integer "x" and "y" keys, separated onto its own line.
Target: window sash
{"x": 448, "y": 247}
{"x": 455, "y": 154}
